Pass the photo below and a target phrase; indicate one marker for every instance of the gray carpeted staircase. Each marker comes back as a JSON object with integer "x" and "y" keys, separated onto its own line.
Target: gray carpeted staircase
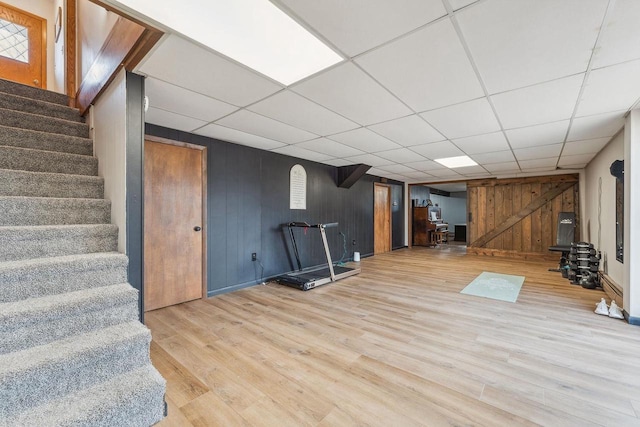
{"x": 72, "y": 351}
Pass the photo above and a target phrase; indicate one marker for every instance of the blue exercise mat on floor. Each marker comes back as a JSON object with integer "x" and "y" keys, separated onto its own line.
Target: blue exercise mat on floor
{"x": 503, "y": 287}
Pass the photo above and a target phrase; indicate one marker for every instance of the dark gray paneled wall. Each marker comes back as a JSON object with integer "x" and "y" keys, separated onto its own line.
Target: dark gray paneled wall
{"x": 248, "y": 201}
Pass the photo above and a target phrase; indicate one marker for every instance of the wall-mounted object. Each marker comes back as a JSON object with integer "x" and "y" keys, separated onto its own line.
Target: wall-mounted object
{"x": 58, "y": 26}
{"x": 297, "y": 187}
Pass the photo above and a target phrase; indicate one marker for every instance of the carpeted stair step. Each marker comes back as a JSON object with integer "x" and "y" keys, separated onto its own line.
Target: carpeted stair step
{"x": 39, "y": 321}
{"x": 28, "y": 159}
{"x": 26, "y": 138}
{"x": 32, "y": 92}
{"x": 35, "y": 278}
{"x": 134, "y": 399}
{"x": 26, "y": 242}
{"x": 45, "y": 184}
{"x": 53, "y": 211}
{"x": 36, "y": 106}
{"x": 22, "y": 120}
{"x": 37, "y": 375}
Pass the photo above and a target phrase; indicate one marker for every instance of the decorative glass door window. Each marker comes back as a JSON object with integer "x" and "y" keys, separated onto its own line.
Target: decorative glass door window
{"x": 14, "y": 41}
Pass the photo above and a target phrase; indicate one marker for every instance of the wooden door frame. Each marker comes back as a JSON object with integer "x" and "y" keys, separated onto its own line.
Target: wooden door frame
{"x": 205, "y": 229}
{"x": 388, "y": 187}
{"x": 43, "y": 53}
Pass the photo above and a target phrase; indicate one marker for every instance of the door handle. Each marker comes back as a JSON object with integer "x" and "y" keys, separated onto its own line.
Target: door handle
{"x": 36, "y": 82}
{"x": 197, "y": 228}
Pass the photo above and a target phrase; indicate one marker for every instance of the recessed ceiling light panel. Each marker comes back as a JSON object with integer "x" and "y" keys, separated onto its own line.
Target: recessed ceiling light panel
{"x": 456, "y": 162}
{"x": 253, "y": 32}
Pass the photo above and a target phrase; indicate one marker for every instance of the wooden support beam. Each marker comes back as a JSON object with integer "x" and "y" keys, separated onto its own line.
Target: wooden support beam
{"x": 556, "y": 190}
{"x": 490, "y": 182}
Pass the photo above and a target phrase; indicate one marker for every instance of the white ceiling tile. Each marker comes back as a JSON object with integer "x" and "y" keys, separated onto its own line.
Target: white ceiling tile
{"x": 471, "y": 170}
{"x": 538, "y": 163}
{"x": 620, "y": 39}
{"x": 293, "y": 109}
{"x": 539, "y": 152}
{"x": 611, "y": 89}
{"x": 301, "y": 153}
{"x": 365, "y": 140}
{"x": 577, "y": 160}
{"x": 519, "y": 43}
{"x": 249, "y": 122}
{"x": 231, "y": 135}
{"x": 408, "y": 131}
{"x": 482, "y": 143}
{"x": 425, "y": 165}
{"x": 358, "y": 25}
{"x": 329, "y": 147}
{"x": 478, "y": 175}
{"x": 597, "y": 126}
{"x": 494, "y": 157}
{"x": 445, "y": 173}
{"x": 427, "y": 69}
{"x": 542, "y": 103}
{"x": 396, "y": 168}
{"x": 397, "y": 177}
{"x": 459, "y": 4}
{"x": 470, "y": 118}
{"x": 187, "y": 65}
{"x": 171, "y": 120}
{"x": 438, "y": 150}
{"x": 369, "y": 159}
{"x": 548, "y": 133}
{"x": 400, "y": 155}
{"x": 532, "y": 170}
{"x": 337, "y": 162}
{"x": 377, "y": 172}
{"x": 502, "y": 167}
{"x": 418, "y": 175}
{"x": 587, "y": 146}
{"x": 185, "y": 102}
{"x": 348, "y": 91}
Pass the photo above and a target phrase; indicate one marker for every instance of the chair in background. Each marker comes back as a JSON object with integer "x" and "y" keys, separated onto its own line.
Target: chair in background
{"x": 565, "y": 236}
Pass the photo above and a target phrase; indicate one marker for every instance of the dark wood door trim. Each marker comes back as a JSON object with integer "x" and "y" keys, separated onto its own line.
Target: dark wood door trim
{"x": 390, "y": 213}
{"x": 204, "y": 199}
{"x": 70, "y": 51}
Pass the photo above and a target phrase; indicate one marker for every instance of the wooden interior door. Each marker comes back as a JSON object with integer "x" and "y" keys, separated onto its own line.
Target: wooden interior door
{"x": 23, "y": 47}
{"x": 173, "y": 224}
{"x": 381, "y": 219}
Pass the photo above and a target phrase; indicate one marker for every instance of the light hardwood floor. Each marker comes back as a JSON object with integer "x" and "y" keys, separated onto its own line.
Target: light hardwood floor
{"x": 398, "y": 345}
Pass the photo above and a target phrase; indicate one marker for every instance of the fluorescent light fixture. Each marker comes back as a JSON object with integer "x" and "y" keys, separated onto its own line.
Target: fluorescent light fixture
{"x": 456, "y": 162}
{"x": 253, "y": 32}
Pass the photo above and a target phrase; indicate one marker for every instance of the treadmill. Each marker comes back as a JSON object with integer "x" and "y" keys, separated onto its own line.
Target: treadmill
{"x": 310, "y": 278}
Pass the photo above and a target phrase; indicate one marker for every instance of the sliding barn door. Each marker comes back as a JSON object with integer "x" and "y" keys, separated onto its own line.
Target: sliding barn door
{"x": 518, "y": 215}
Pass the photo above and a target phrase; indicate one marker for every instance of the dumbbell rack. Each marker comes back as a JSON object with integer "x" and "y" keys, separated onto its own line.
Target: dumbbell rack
{"x": 584, "y": 262}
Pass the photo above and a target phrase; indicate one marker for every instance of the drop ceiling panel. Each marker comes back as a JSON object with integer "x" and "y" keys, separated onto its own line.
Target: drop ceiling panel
{"x": 611, "y": 89}
{"x": 348, "y": 91}
{"x": 502, "y": 167}
{"x": 494, "y": 157}
{"x": 519, "y": 43}
{"x": 539, "y": 152}
{"x": 396, "y": 168}
{"x": 445, "y": 173}
{"x": 249, "y": 122}
{"x": 408, "y": 131}
{"x": 329, "y": 147}
{"x": 185, "y": 102}
{"x": 369, "y": 159}
{"x": 438, "y": 150}
{"x": 231, "y": 135}
{"x": 620, "y": 39}
{"x": 301, "y": 153}
{"x": 418, "y": 175}
{"x": 578, "y": 160}
{"x": 534, "y": 105}
{"x": 337, "y": 162}
{"x": 471, "y": 170}
{"x": 365, "y": 140}
{"x": 547, "y": 164}
{"x": 548, "y": 133}
{"x": 588, "y": 146}
{"x": 597, "y": 126}
{"x": 427, "y": 69}
{"x": 470, "y": 118}
{"x": 187, "y": 65}
{"x": 482, "y": 143}
{"x": 459, "y": 4}
{"x": 400, "y": 155}
{"x": 171, "y": 120}
{"x": 425, "y": 165}
{"x": 355, "y": 26}
{"x": 293, "y": 109}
